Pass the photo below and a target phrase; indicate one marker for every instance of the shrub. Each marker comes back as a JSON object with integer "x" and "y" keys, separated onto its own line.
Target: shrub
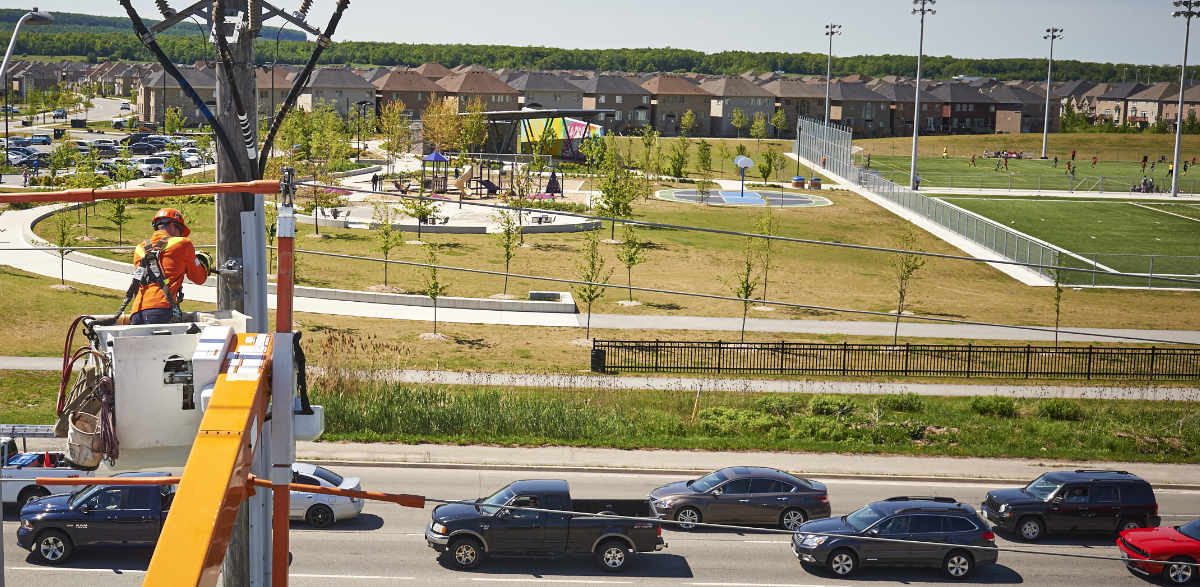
{"x": 1060, "y": 409}
{"x": 782, "y": 404}
{"x": 821, "y": 405}
{"x": 901, "y": 402}
{"x": 994, "y": 405}
{"x": 736, "y": 421}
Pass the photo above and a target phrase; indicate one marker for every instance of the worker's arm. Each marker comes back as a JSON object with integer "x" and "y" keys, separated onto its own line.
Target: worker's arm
{"x": 195, "y": 270}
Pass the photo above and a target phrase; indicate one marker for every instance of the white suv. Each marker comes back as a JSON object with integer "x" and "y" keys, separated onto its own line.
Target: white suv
{"x": 150, "y": 165}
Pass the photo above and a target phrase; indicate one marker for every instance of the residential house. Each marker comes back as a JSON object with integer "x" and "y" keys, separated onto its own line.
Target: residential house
{"x": 860, "y": 108}
{"x": 35, "y": 75}
{"x": 797, "y": 98}
{"x": 1191, "y": 104}
{"x": 1146, "y": 106}
{"x": 338, "y": 87}
{"x": 545, "y": 91}
{"x": 272, "y": 86}
{"x": 1071, "y": 92}
{"x": 736, "y": 93}
{"x": 1114, "y": 104}
{"x": 467, "y": 86}
{"x": 899, "y": 94}
{"x": 159, "y": 91}
{"x": 432, "y": 71}
{"x": 673, "y": 95}
{"x": 408, "y": 86}
{"x": 956, "y": 108}
{"x": 630, "y": 101}
{"x": 1019, "y": 110}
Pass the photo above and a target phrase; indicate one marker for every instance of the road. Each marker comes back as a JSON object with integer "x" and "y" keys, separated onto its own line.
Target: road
{"x": 385, "y": 546}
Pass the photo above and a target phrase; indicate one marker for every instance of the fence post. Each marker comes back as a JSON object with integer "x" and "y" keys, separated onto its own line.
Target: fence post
{"x": 907, "y": 352}
{"x": 598, "y": 359}
{"x": 1089, "y": 363}
{"x": 1094, "y": 268}
{"x": 1102, "y": 184}
{"x": 657, "y": 350}
{"x": 969, "y": 360}
{"x": 719, "y": 356}
{"x": 1039, "y": 184}
{"x": 1010, "y": 183}
{"x": 781, "y": 351}
{"x": 1150, "y": 279}
{"x": 845, "y": 350}
{"x": 1152, "y": 362}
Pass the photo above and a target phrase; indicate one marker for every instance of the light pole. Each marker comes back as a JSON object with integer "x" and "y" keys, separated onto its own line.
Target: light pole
{"x": 1052, "y": 33}
{"x": 33, "y": 17}
{"x": 922, "y": 9}
{"x": 831, "y": 30}
{"x": 1186, "y": 9}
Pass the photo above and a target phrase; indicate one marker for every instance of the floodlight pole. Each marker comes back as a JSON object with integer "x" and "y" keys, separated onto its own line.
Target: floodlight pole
{"x": 922, "y": 9}
{"x": 1186, "y": 9}
{"x": 1051, "y": 33}
{"x": 831, "y": 30}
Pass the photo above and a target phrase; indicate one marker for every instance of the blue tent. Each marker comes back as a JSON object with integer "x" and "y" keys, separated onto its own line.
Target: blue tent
{"x": 436, "y": 157}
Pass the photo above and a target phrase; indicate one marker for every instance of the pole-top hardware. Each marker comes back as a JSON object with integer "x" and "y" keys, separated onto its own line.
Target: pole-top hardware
{"x": 287, "y": 186}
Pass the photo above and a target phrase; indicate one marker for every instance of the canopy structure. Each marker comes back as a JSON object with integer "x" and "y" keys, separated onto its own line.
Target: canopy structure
{"x": 505, "y": 127}
{"x": 439, "y": 168}
{"x": 565, "y": 136}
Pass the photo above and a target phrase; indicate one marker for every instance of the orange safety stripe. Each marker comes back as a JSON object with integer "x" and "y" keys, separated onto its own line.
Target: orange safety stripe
{"x": 261, "y": 186}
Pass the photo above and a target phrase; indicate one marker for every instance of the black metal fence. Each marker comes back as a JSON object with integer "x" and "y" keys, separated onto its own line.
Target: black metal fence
{"x": 1013, "y": 362}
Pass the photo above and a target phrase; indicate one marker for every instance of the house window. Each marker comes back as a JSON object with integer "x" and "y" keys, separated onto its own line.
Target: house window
{"x": 645, "y": 99}
{"x": 601, "y": 98}
{"x": 618, "y": 115}
{"x": 971, "y": 107}
{"x": 618, "y": 99}
{"x": 991, "y": 108}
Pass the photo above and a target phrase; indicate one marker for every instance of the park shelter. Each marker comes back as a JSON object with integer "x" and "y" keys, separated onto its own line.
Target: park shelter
{"x": 568, "y": 135}
{"x": 439, "y": 171}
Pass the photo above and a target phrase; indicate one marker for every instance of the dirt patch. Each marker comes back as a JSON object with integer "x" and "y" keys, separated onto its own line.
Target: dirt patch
{"x": 433, "y": 337}
{"x": 380, "y": 288}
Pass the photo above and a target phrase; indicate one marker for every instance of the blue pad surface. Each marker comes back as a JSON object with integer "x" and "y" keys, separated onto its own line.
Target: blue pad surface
{"x": 739, "y": 198}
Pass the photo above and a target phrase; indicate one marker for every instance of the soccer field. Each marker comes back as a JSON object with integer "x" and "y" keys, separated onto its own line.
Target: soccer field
{"x": 1130, "y": 237}
{"x": 1030, "y": 174}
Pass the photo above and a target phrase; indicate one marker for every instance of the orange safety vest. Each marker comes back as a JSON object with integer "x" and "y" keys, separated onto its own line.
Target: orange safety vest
{"x": 178, "y": 258}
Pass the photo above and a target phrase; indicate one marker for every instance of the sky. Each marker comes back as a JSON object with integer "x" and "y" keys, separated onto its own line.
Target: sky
{"x": 1119, "y": 31}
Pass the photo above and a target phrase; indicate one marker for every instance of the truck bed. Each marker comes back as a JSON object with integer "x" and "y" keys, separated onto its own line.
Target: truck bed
{"x": 622, "y": 507}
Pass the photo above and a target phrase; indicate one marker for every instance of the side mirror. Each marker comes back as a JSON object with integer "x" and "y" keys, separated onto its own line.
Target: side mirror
{"x": 717, "y": 492}
{"x": 873, "y": 532}
{"x": 83, "y": 508}
{"x": 502, "y": 513}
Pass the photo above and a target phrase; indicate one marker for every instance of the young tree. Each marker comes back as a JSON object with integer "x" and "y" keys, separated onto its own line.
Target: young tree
{"x": 745, "y": 281}
{"x": 173, "y": 172}
{"x": 433, "y": 287}
{"x": 473, "y": 128}
{"x": 592, "y": 149}
{"x": 904, "y": 266}
{"x": 126, "y": 169}
{"x": 386, "y": 235}
{"x": 618, "y": 189}
{"x": 522, "y": 188}
{"x": 1058, "y": 294}
{"x": 704, "y": 155}
{"x": 419, "y": 210}
{"x": 62, "y": 157}
{"x": 758, "y": 128}
{"x": 724, "y": 155}
{"x": 507, "y": 238}
{"x": 687, "y": 124}
{"x": 678, "y": 159}
{"x": 591, "y": 269}
{"x": 63, "y": 235}
{"x": 631, "y": 254}
{"x": 440, "y": 124}
{"x": 704, "y": 187}
{"x": 649, "y": 138}
{"x": 118, "y": 215}
{"x": 768, "y": 162}
{"x": 739, "y": 121}
{"x": 778, "y": 121}
{"x": 172, "y": 120}
{"x": 396, "y": 125}
{"x": 766, "y": 224}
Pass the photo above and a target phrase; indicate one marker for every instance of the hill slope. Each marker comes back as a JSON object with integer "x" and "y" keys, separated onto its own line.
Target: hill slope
{"x": 71, "y": 22}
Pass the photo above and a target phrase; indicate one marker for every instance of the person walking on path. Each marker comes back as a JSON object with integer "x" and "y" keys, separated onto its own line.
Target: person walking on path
{"x": 177, "y": 258}
{"x": 1094, "y": 160}
{"x": 25, "y": 178}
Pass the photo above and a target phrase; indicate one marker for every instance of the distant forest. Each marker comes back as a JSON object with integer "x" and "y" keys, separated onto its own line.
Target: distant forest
{"x": 186, "y": 45}
{"x": 70, "y": 22}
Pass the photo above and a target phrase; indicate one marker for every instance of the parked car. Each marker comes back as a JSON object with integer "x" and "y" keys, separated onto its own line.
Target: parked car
{"x": 60, "y": 113}
{"x": 34, "y": 160}
{"x": 117, "y": 515}
{"x": 490, "y": 527}
{"x": 125, "y": 106}
{"x": 318, "y": 509}
{"x": 749, "y": 495}
{"x": 844, "y": 544}
{"x": 150, "y": 165}
{"x": 142, "y": 148}
{"x": 1083, "y": 500}
{"x": 39, "y": 139}
{"x": 19, "y": 142}
{"x": 1180, "y": 544}
{"x": 19, "y": 472}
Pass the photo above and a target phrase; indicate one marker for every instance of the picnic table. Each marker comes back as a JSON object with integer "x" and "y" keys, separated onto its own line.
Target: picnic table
{"x": 543, "y": 219}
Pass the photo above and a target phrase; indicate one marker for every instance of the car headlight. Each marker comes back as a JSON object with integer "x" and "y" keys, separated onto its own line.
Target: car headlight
{"x": 26, "y": 524}
{"x": 669, "y": 502}
{"x": 813, "y": 541}
{"x": 1004, "y": 509}
{"x": 438, "y": 528}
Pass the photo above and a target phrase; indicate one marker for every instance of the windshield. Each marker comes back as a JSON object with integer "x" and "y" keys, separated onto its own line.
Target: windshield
{"x": 1043, "y": 487}
{"x": 333, "y": 478}
{"x": 863, "y": 518}
{"x": 1191, "y": 529}
{"x": 709, "y": 481}
{"x": 496, "y": 499}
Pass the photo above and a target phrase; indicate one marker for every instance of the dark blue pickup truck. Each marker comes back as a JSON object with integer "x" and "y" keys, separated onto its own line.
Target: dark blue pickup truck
{"x": 101, "y": 515}
{"x": 495, "y": 526}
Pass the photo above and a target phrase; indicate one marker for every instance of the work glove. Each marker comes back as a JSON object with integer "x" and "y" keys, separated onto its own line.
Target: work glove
{"x": 204, "y": 258}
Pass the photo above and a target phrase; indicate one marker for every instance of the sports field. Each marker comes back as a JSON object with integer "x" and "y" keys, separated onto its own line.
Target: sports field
{"x": 1031, "y": 174}
{"x": 1159, "y": 238}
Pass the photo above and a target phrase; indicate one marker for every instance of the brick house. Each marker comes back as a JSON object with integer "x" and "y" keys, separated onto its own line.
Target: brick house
{"x": 544, "y": 90}
{"x": 621, "y": 93}
{"x": 956, "y": 108}
{"x": 1019, "y": 110}
{"x": 736, "y": 93}
{"x": 272, "y": 86}
{"x": 899, "y": 94}
{"x": 860, "y": 108}
{"x": 797, "y": 98}
{"x": 466, "y": 86}
{"x": 159, "y": 91}
{"x": 337, "y": 87}
{"x": 1191, "y": 104}
{"x": 672, "y": 96}
{"x": 1146, "y": 106}
{"x": 432, "y": 71}
{"x": 414, "y": 89}
{"x": 1114, "y": 104}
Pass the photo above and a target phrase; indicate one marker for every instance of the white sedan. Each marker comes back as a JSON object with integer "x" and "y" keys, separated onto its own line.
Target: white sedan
{"x": 318, "y": 509}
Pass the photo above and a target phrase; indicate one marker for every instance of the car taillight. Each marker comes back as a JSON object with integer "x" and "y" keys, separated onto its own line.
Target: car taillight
{"x": 823, "y": 498}
{"x": 989, "y": 536}
{"x": 660, "y": 530}
{"x": 1156, "y": 509}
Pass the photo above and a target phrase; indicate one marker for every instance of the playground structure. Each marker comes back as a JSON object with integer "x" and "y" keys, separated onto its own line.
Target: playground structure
{"x": 486, "y": 175}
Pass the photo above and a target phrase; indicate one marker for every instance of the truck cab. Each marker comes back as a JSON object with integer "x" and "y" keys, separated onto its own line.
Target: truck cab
{"x": 101, "y": 515}
{"x": 19, "y": 472}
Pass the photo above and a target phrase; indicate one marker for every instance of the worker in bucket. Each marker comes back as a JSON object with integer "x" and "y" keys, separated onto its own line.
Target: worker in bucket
{"x": 163, "y": 260}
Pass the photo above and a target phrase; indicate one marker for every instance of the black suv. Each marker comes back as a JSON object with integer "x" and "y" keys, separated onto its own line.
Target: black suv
{"x": 945, "y": 534}
{"x": 1083, "y": 500}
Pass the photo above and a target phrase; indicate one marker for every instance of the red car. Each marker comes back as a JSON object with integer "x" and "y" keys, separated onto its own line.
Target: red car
{"x": 1180, "y": 544}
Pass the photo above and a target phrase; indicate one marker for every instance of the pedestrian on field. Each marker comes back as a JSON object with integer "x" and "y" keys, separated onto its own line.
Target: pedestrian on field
{"x": 1193, "y": 159}
{"x": 1068, "y": 167}
{"x": 1144, "y": 158}
{"x": 868, "y": 160}
{"x": 1093, "y": 160}
{"x": 916, "y": 182}
{"x": 1056, "y": 161}
{"x": 1072, "y": 154}
{"x": 1006, "y": 163}
{"x": 1185, "y": 166}
{"x": 822, "y": 162}
{"x": 1143, "y": 165}
{"x": 997, "y": 167}
{"x": 945, "y": 153}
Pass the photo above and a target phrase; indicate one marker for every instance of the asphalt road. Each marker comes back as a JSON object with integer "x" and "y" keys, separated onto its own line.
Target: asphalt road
{"x": 385, "y": 545}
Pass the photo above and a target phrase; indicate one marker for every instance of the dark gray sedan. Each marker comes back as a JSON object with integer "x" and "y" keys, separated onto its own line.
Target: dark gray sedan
{"x": 742, "y": 495}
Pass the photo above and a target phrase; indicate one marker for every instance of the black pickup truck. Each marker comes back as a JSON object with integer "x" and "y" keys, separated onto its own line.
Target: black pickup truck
{"x": 491, "y": 526}
{"x": 110, "y": 515}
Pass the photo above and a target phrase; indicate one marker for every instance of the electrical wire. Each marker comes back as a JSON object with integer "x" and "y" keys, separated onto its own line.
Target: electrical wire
{"x": 788, "y": 239}
{"x": 231, "y": 82}
{"x": 301, "y": 81}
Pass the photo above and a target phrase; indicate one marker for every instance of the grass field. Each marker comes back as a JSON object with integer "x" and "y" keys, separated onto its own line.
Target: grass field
{"x": 723, "y": 167}
{"x": 1115, "y": 234}
{"x": 1108, "y": 147}
{"x": 1030, "y": 174}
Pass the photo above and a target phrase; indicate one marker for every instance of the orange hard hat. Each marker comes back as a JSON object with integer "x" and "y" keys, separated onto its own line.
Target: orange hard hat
{"x": 173, "y": 215}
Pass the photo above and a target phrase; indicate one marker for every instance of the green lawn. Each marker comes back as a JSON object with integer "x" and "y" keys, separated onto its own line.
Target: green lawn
{"x": 1108, "y": 147}
{"x": 1027, "y": 174}
{"x": 1111, "y": 232}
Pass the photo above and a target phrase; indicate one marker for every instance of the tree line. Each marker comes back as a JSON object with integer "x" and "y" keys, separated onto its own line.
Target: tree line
{"x": 69, "y": 22}
{"x": 186, "y": 48}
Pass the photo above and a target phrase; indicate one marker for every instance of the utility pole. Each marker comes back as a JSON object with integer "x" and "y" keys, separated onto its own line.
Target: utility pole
{"x": 1186, "y": 9}
{"x": 1051, "y": 33}
{"x": 922, "y": 8}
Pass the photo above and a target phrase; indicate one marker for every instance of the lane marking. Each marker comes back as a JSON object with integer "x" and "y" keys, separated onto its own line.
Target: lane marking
{"x": 540, "y": 580}
{"x": 363, "y": 577}
{"x": 754, "y": 585}
{"x": 1165, "y": 212}
{"x": 70, "y": 570}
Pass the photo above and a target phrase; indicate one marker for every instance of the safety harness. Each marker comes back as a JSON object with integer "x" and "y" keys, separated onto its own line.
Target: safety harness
{"x": 150, "y": 272}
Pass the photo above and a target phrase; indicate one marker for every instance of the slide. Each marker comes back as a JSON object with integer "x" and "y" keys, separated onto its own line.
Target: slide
{"x": 461, "y": 181}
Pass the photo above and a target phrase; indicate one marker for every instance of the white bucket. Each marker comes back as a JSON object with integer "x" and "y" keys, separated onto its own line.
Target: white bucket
{"x": 83, "y": 441}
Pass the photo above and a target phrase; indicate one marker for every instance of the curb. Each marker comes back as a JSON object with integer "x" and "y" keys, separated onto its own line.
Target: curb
{"x": 650, "y": 471}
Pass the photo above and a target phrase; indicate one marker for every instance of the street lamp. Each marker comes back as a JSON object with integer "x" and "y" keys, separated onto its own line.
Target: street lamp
{"x": 831, "y": 30}
{"x": 33, "y": 17}
{"x": 1051, "y": 33}
{"x": 362, "y": 122}
{"x": 923, "y": 9}
{"x": 1186, "y": 9}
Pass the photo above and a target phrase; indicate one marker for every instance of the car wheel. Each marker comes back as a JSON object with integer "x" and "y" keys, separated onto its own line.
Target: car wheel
{"x": 1128, "y": 524}
{"x": 842, "y": 562}
{"x": 319, "y": 516}
{"x": 1179, "y": 574}
{"x": 613, "y": 555}
{"x": 688, "y": 518}
{"x": 52, "y": 546}
{"x": 958, "y": 565}
{"x": 466, "y": 553}
{"x": 791, "y": 518}
{"x": 1030, "y": 529}
{"x": 29, "y": 493}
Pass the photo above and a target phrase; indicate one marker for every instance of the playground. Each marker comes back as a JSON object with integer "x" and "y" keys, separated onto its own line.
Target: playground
{"x": 754, "y": 197}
